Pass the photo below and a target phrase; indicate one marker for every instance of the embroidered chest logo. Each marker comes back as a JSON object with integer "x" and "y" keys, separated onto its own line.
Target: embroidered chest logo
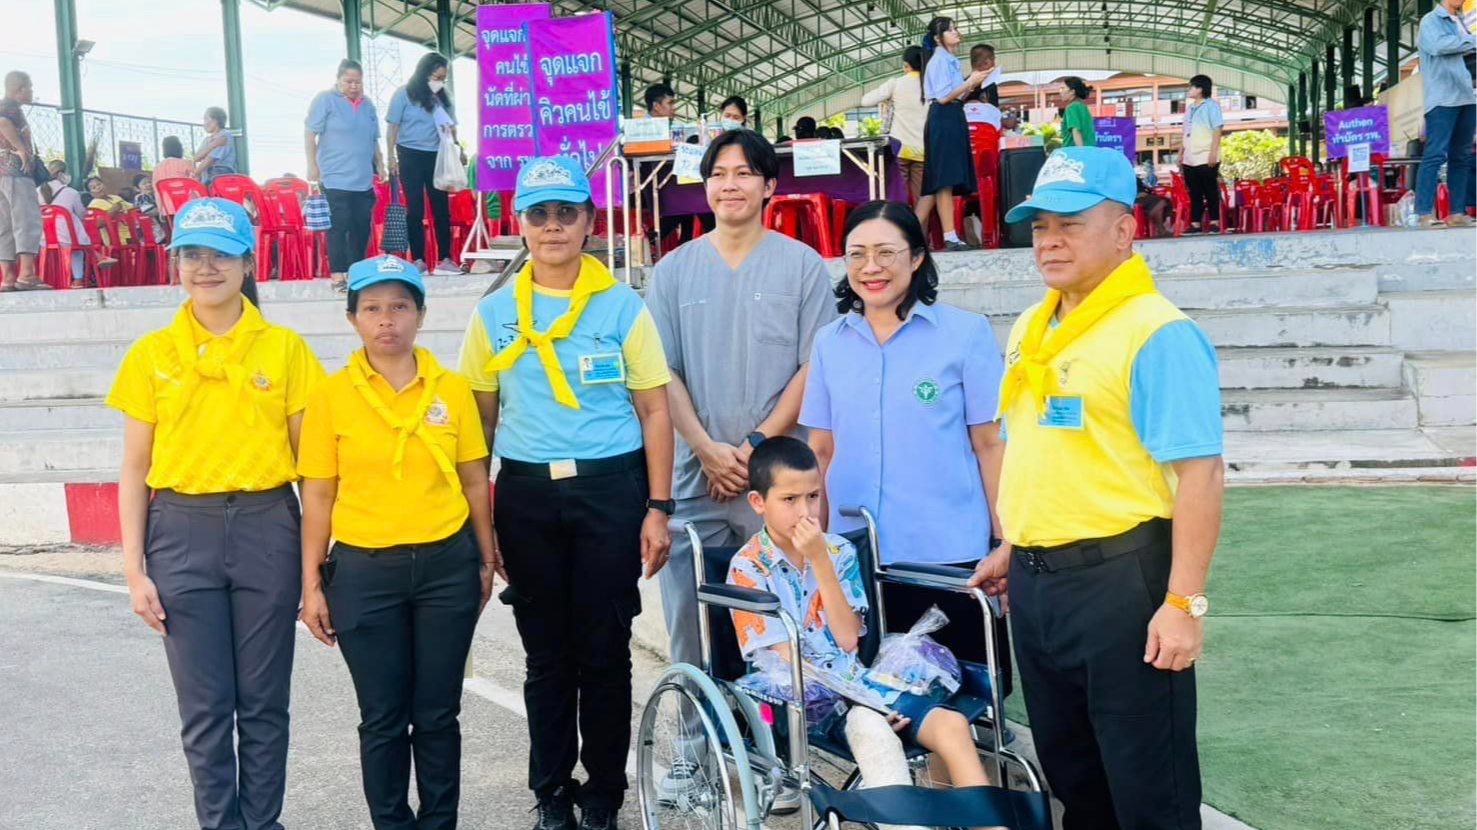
{"x": 260, "y": 382}
{"x": 1015, "y": 354}
{"x": 437, "y": 415}
{"x": 926, "y": 390}
{"x": 1062, "y": 370}
{"x": 1059, "y": 168}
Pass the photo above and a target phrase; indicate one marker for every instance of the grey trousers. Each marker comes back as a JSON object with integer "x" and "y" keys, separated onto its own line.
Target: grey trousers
{"x": 229, "y": 572}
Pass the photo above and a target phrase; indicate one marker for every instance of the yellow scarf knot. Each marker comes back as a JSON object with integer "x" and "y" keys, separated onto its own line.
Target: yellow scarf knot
{"x": 593, "y": 278}
{"x": 1031, "y": 363}
{"x": 404, "y": 428}
{"x": 198, "y": 363}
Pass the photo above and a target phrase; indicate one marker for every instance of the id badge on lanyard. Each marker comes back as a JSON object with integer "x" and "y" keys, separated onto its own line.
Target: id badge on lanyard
{"x": 609, "y": 367}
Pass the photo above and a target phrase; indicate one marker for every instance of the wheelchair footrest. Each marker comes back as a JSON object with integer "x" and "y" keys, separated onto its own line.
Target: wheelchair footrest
{"x": 958, "y": 807}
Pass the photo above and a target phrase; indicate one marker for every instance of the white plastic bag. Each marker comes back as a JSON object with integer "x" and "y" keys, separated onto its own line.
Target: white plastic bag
{"x": 771, "y": 678}
{"x": 451, "y": 174}
{"x": 1405, "y": 210}
{"x": 914, "y": 661}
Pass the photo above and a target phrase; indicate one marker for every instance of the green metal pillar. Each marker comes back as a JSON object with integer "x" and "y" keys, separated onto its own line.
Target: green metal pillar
{"x": 1293, "y": 119}
{"x": 1392, "y": 43}
{"x": 353, "y": 29}
{"x": 1330, "y": 83}
{"x": 1315, "y": 125}
{"x": 74, "y": 143}
{"x": 1346, "y": 66}
{"x": 235, "y": 82}
{"x": 758, "y": 121}
{"x": 1302, "y": 114}
{"x": 1366, "y": 48}
{"x": 626, "y": 101}
{"x": 702, "y": 101}
{"x": 446, "y": 38}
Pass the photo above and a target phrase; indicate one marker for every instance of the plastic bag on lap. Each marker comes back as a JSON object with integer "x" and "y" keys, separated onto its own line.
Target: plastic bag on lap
{"x": 914, "y": 661}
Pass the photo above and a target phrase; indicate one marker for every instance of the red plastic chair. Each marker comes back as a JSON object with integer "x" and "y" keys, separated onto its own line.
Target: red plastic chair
{"x": 310, "y": 247}
{"x": 103, "y": 229}
{"x": 840, "y": 209}
{"x": 289, "y": 184}
{"x": 803, "y": 216}
{"x": 1273, "y": 206}
{"x": 55, "y": 262}
{"x": 1297, "y": 167}
{"x": 173, "y": 193}
{"x": 463, "y": 207}
{"x": 1368, "y": 188}
{"x": 150, "y": 258}
{"x": 277, "y": 244}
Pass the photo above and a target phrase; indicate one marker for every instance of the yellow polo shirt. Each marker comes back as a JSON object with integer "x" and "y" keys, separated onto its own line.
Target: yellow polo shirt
{"x": 220, "y": 424}
{"x": 346, "y": 438}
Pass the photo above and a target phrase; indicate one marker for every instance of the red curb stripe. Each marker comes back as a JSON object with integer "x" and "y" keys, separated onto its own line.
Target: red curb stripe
{"x": 92, "y": 514}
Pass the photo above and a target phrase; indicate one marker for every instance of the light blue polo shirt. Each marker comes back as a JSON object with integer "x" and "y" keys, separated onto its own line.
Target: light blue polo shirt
{"x": 346, "y": 140}
{"x": 417, "y": 126}
{"x": 900, "y": 415}
{"x": 532, "y": 425}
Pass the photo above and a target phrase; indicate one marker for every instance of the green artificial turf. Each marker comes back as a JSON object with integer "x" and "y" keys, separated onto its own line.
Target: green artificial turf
{"x": 1337, "y": 687}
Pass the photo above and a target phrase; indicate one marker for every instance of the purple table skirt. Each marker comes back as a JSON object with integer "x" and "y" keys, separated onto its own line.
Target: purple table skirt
{"x": 850, "y": 185}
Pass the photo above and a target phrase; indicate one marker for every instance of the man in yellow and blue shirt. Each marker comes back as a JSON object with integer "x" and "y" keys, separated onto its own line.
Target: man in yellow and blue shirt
{"x": 1110, "y": 501}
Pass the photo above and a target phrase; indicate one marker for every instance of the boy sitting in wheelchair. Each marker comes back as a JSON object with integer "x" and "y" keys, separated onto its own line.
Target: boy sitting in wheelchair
{"x": 817, "y": 578}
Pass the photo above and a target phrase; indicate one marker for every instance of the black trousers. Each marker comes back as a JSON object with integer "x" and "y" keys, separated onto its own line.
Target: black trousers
{"x": 229, "y": 572}
{"x": 1115, "y": 736}
{"x": 350, "y": 212}
{"x": 573, "y": 553}
{"x": 1203, "y": 182}
{"x": 404, "y": 616}
{"x": 417, "y": 171}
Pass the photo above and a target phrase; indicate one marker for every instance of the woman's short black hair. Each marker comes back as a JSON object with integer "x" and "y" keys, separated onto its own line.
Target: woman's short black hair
{"x": 172, "y": 147}
{"x": 758, "y": 152}
{"x": 348, "y": 65}
{"x": 804, "y": 127}
{"x": 735, "y": 101}
{"x": 418, "y": 89}
{"x": 218, "y": 115}
{"x": 1203, "y": 83}
{"x": 913, "y": 57}
{"x": 775, "y": 454}
{"x": 925, "y": 285}
{"x": 419, "y": 297}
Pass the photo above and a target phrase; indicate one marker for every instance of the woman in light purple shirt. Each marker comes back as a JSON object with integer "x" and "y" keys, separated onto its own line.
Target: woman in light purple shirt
{"x": 900, "y": 401}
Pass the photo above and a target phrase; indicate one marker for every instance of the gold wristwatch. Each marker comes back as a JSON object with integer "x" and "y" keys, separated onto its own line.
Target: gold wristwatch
{"x": 1196, "y": 605}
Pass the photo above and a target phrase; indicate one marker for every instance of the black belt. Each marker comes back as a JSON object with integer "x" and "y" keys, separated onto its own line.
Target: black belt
{"x": 573, "y": 467}
{"x": 240, "y": 498}
{"x": 1092, "y": 551}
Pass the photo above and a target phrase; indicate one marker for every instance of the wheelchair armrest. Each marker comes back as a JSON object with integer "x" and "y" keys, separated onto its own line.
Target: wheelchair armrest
{"x": 739, "y": 598}
{"x": 850, "y": 511}
{"x": 943, "y": 577}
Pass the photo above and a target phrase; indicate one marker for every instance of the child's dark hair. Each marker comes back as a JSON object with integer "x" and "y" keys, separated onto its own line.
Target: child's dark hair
{"x": 775, "y": 454}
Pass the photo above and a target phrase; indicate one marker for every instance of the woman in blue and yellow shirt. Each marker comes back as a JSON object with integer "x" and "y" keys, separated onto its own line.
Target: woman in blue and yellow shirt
{"x": 571, "y": 383}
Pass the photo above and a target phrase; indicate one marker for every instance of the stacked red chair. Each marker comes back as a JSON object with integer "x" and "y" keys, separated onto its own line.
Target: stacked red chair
{"x": 278, "y": 247}
{"x": 310, "y": 248}
{"x": 103, "y": 229}
{"x": 55, "y": 262}
{"x": 1367, "y": 187}
{"x": 150, "y": 257}
{"x": 173, "y": 193}
{"x": 803, "y": 216}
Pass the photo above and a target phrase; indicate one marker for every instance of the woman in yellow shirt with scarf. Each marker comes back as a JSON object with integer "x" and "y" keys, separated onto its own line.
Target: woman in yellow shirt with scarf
{"x": 212, "y": 404}
{"x": 570, "y": 379}
{"x": 394, "y": 470}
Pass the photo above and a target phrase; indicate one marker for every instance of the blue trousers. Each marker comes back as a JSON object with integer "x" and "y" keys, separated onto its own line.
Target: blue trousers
{"x": 1449, "y": 132}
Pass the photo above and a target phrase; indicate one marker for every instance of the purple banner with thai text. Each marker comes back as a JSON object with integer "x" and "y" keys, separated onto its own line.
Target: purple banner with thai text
{"x": 1361, "y": 125}
{"x": 571, "y": 70}
{"x": 506, "y": 121}
{"x": 1118, "y": 133}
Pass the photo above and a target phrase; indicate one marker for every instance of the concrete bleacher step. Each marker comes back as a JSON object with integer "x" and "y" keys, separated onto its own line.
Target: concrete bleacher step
{"x": 1354, "y": 325}
{"x": 1372, "y": 449}
{"x": 54, "y": 450}
{"x": 1432, "y": 320}
{"x": 1445, "y": 386}
{"x": 66, "y": 414}
{"x": 1310, "y": 368}
{"x": 988, "y": 294}
{"x": 1275, "y": 410}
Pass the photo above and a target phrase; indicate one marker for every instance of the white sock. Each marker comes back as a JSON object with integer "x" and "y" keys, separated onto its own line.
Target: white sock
{"x": 951, "y": 236}
{"x": 878, "y": 752}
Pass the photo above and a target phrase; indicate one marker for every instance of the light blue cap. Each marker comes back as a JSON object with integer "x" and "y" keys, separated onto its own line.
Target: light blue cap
{"x": 367, "y": 272}
{"x": 551, "y": 179}
{"x": 1076, "y": 178}
{"x": 218, "y": 224}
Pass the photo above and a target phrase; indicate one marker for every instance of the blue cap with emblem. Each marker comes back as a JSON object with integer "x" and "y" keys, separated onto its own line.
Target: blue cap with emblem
{"x": 218, "y": 224}
{"x": 551, "y": 179}
{"x": 1077, "y": 178}
{"x": 367, "y": 272}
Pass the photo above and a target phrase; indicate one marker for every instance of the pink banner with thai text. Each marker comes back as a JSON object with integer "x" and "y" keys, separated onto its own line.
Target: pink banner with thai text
{"x": 506, "y": 138}
{"x": 572, "y": 81}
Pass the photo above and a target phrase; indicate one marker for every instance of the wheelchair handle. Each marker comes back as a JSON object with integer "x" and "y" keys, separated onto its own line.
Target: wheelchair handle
{"x": 850, "y": 511}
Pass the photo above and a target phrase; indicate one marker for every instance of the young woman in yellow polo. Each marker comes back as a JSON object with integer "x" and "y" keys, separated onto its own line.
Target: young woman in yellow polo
{"x": 212, "y": 404}
{"x": 394, "y": 470}
{"x": 571, "y": 380}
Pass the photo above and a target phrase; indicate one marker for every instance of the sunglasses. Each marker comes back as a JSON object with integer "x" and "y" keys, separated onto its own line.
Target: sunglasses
{"x": 538, "y": 215}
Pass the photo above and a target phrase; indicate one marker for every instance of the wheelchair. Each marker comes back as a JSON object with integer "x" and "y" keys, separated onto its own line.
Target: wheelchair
{"x": 697, "y": 715}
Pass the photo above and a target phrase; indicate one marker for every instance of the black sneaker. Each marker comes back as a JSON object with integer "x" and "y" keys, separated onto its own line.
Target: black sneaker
{"x": 556, "y": 813}
{"x": 597, "y": 818}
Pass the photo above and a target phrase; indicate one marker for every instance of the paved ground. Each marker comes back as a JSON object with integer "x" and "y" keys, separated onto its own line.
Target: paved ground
{"x": 91, "y": 735}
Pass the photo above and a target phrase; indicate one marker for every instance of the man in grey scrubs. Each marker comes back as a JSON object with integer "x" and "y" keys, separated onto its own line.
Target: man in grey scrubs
{"x": 737, "y": 310}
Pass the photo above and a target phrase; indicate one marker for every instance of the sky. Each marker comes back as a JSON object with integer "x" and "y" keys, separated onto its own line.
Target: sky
{"x": 170, "y": 63}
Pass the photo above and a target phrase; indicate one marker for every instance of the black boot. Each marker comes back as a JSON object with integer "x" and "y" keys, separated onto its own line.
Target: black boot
{"x": 556, "y": 812}
{"x": 597, "y": 818}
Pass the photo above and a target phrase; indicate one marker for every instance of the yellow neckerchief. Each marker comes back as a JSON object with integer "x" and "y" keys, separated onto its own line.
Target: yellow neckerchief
{"x": 593, "y": 278}
{"x": 1128, "y": 280}
{"x": 197, "y": 363}
{"x": 430, "y": 372}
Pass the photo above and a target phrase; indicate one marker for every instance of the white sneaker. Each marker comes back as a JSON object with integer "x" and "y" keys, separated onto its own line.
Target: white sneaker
{"x": 786, "y": 801}
{"x": 680, "y": 783}
{"x": 447, "y": 268}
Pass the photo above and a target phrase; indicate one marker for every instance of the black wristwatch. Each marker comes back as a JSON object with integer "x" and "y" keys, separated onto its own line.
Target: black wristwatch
{"x": 756, "y": 438}
{"x": 667, "y": 506}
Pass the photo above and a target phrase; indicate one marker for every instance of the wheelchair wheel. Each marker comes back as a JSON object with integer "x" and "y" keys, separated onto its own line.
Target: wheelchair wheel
{"x": 670, "y": 738}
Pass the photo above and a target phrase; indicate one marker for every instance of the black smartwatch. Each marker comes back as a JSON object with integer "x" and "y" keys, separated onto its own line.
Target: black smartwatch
{"x": 756, "y": 438}
{"x": 667, "y": 506}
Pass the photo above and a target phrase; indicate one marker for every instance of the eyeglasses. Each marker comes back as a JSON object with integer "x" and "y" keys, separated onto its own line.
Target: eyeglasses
{"x": 195, "y": 260}
{"x": 538, "y": 216}
{"x": 884, "y": 257}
